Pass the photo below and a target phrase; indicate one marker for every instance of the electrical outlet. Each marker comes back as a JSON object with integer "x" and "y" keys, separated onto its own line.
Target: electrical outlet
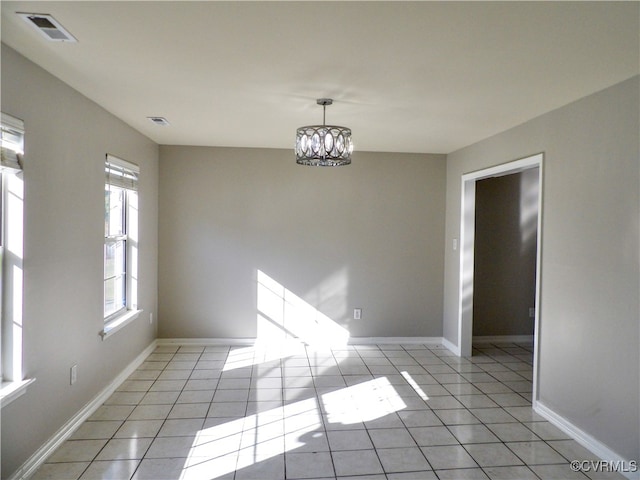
{"x": 532, "y": 312}
{"x": 74, "y": 374}
{"x": 357, "y": 313}
{"x": 151, "y": 317}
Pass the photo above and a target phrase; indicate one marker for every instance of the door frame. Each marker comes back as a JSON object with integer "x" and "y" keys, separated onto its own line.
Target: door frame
{"x": 467, "y": 247}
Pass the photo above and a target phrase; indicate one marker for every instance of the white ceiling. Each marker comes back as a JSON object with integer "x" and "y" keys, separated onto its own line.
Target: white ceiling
{"x": 405, "y": 76}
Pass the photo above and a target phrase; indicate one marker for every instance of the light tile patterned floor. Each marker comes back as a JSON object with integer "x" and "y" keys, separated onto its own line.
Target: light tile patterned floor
{"x": 391, "y": 412}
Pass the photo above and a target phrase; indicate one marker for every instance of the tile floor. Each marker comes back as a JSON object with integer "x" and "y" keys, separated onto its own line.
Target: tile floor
{"x": 388, "y": 412}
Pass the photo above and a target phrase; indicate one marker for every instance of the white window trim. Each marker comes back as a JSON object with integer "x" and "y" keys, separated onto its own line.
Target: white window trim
{"x": 13, "y": 386}
{"x": 9, "y": 391}
{"x": 121, "y": 321}
{"x": 124, "y": 317}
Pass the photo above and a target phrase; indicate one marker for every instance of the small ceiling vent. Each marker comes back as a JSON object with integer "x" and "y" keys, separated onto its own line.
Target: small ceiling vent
{"x": 48, "y": 27}
{"x": 163, "y": 122}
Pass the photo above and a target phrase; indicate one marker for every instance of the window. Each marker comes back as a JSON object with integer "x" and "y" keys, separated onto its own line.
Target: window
{"x": 11, "y": 258}
{"x": 120, "y": 243}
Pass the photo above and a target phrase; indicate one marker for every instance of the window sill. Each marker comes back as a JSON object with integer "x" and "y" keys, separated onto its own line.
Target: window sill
{"x": 116, "y": 324}
{"x": 9, "y": 391}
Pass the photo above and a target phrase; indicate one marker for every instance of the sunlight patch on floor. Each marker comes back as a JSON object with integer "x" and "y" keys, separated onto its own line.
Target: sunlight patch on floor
{"x": 407, "y": 376}
{"x": 283, "y": 429}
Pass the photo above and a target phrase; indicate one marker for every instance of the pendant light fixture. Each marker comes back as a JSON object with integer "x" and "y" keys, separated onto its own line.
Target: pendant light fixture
{"x": 323, "y": 145}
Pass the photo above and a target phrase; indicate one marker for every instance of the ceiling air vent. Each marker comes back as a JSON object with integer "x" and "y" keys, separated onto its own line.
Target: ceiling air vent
{"x": 163, "y": 122}
{"x": 48, "y": 26}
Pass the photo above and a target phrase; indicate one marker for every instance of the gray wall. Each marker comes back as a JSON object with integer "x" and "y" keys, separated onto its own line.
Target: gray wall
{"x": 504, "y": 273}
{"x": 589, "y": 329}
{"x": 368, "y": 235}
{"x": 67, "y": 137}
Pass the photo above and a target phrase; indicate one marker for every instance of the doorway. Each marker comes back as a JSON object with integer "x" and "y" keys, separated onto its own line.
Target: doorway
{"x": 467, "y": 254}
{"x": 505, "y": 257}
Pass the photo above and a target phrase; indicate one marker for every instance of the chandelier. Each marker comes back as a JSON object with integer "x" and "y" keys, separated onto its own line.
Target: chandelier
{"x": 323, "y": 145}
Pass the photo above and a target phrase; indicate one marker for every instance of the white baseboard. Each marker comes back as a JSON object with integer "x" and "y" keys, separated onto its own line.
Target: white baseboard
{"x": 252, "y": 341}
{"x": 503, "y": 339}
{"x": 396, "y": 340}
{"x": 40, "y": 456}
{"x": 455, "y": 349}
{"x": 205, "y": 342}
{"x": 587, "y": 441}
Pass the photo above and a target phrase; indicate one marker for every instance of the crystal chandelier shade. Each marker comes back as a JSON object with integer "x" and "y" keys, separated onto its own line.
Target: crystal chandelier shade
{"x": 323, "y": 145}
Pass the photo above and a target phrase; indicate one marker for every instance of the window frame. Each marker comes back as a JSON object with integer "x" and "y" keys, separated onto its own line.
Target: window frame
{"x": 12, "y": 382}
{"x": 112, "y": 240}
{"x": 127, "y": 181}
